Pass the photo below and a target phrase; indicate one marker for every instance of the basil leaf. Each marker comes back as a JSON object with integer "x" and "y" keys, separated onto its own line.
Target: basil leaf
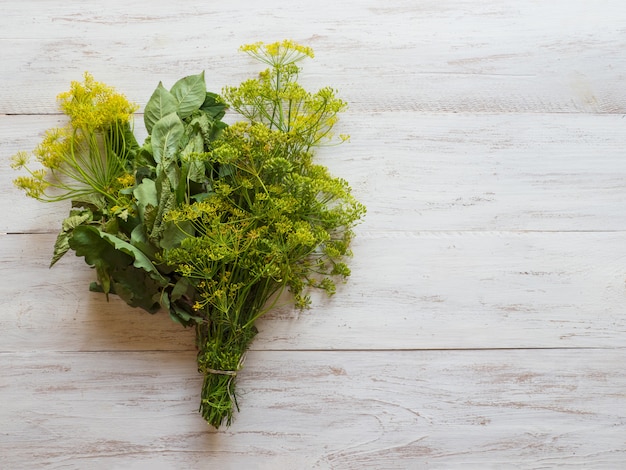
{"x": 166, "y": 135}
{"x": 190, "y": 92}
{"x": 137, "y": 289}
{"x": 146, "y": 195}
{"x": 175, "y": 233}
{"x": 105, "y": 251}
{"x": 62, "y": 245}
{"x": 213, "y": 106}
{"x": 161, "y": 103}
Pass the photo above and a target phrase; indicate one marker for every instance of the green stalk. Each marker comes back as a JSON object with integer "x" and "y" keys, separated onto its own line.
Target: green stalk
{"x": 222, "y": 341}
{"x": 221, "y": 352}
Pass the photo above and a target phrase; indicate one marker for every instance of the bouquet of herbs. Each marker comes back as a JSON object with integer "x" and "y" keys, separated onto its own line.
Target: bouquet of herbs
{"x": 209, "y": 221}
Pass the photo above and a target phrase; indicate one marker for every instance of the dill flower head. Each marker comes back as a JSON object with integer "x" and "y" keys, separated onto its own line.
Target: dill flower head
{"x": 127, "y": 180}
{"x": 34, "y": 185}
{"x": 278, "y": 101}
{"x": 90, "y": 153}
{"x": 278, "y": 53}
{"x": 94, "y": 105}
{"x": 20, "y": 160}
{"x": 55, "y": 146}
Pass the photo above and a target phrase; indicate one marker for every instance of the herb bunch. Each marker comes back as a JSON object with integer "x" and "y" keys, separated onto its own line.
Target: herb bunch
{"x": 210, "y": 222}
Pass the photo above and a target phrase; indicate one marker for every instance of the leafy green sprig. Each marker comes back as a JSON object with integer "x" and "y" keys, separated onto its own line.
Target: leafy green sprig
{"x": 90, "y": 158}
{"x": 277, "y": 100}
{"x": 274, "y": 221}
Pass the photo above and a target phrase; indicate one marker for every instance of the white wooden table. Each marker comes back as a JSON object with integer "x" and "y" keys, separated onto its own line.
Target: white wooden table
{"x": 484, "y": 325}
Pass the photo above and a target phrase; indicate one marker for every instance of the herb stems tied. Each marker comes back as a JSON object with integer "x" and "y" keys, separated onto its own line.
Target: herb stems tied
{"x": 220, "y": 357}
{"x": 213, "y": 223}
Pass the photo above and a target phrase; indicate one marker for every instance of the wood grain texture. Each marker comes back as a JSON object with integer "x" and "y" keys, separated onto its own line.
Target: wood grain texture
{"x": 319, "y": 410}
{"x": 435, "y": 56}
{"x": 484, "y": 323}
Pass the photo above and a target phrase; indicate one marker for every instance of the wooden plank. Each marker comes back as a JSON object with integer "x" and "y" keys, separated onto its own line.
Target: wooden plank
{"x": 486, "y": 172}
{"x": 437, "y": 172}
{"x": 342, "y": 410}
{"x": 444, "y": 56}
{"x": 407, "y": 291}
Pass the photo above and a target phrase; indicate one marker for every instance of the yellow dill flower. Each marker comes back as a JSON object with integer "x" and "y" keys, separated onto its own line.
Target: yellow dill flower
{"x": 34, "y": 185}
{"x": 94, "y": 105}
{"x": 253, "y": 48}
{"x": 288, "y": 46}
{"x": 186, "y": 270}
{"x": 127, "y": 180}
{"x": 302, "y": 235}
{"x": 278, "y": 53}
{"x": 19, "y": 160}
{"x": 55, "y": 147}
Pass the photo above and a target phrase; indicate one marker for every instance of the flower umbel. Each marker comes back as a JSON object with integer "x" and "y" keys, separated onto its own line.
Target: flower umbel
{"x": 93, "y": 105}
{"x": 88, "y": 156}
{"x": 279, "y": 102}
{"x": 278, "y": 53}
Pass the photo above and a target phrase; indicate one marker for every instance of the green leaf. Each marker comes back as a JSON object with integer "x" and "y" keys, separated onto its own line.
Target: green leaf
{"x": 193, "y": 167}
{"x": 75, "y": 219}
{"x": 195, "y": 145}
{"x": 122, "y": 141}
{"x": 174, "y": 233}
{"x": 182, "y": 287}
{"x": 202, "y": 196}
{"x": 146, "y": 195}
{"x": 149, "y": 218}
{"x": 163, "y": 299}
{"x": 204, "y": 126}
{"x": 137, "y": 289}
{"x": 140, "y": 259}
{"x": 90, "y": 243}
{"x": 90, "y": 201}
{"x": 139, "y": 239}
{"x": 166, "y": 135}
{"x": 106, "y": 251}
{"x": 104, "y": 276}
{"x": 144, "y": 157}
{"x": 190, "y": 92}
{"x": 160, "y": 104}
{"x": 179, "y": 315}
{"x": 226, "y": 171}
{"x": 173, "y": 174}
{"x": 112, "y": 226}
{"x": 130, "y": 141}
{"x": 87, "y": 241}
{"x": 213, "y": 106}
{"x": 196, "y": 172}
{"x": 61, "y": 246}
